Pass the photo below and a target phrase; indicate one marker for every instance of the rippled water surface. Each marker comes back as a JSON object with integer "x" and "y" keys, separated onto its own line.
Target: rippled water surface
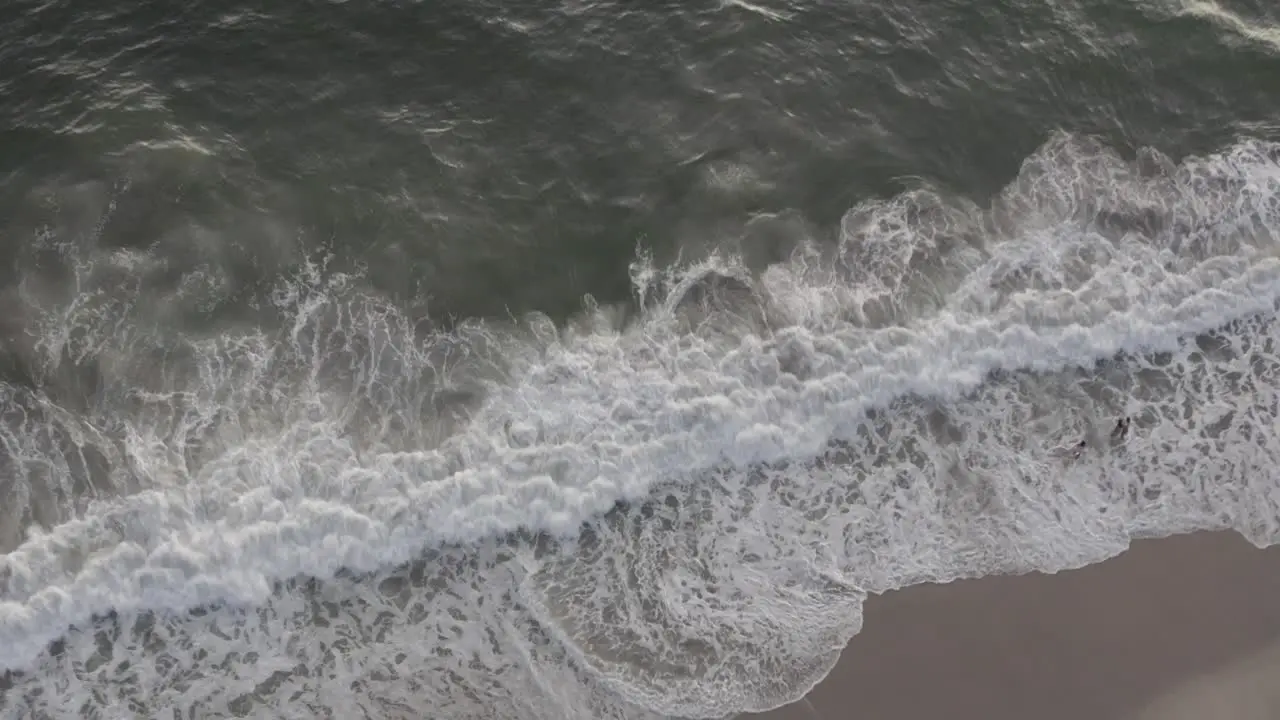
{"x": 595, "y": 360}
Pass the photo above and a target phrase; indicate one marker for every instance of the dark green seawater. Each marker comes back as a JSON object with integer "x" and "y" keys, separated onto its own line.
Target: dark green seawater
{"x": 507, "y": 156}
{"x": 234, "y": 233}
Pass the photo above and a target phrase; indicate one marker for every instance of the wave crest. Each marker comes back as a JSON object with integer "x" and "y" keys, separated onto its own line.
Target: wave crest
{"x": 724, "y": 476}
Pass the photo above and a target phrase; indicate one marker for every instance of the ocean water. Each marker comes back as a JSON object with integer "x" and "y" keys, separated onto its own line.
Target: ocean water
{"x": 581, "y": 360}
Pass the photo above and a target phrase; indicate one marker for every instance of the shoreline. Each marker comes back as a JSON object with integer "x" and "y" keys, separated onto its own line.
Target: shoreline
{"x": 1164, "y": 626}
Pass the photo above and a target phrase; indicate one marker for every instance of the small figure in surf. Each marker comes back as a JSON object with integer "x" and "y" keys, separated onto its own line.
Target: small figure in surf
{"x": 1118, "y": 435}
{"x": 1120, "y": 432}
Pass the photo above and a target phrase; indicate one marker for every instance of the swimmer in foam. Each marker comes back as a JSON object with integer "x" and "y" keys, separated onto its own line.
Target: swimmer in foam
{"x": 1120, "y": 431}
{"x": 1118, "y": 435}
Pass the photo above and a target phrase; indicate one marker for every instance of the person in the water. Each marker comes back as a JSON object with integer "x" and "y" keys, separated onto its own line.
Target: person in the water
{"x": 1121, "y": 431}
{"x": 1118, "y": 435}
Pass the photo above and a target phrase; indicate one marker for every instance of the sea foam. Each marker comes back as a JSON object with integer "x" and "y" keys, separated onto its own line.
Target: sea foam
{"x": 677, "y": 515}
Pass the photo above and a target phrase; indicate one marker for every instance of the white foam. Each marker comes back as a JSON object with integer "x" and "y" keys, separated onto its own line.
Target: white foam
{"x": 1255, "y": 30}
{"x": 777, "y": 500}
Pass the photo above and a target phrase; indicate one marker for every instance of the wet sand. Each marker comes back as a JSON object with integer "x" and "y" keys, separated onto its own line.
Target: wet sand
{"x": 1182, "y": 628}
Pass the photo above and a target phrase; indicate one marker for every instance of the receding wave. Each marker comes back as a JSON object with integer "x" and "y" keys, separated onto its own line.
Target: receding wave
{"x": 677, "y": 514}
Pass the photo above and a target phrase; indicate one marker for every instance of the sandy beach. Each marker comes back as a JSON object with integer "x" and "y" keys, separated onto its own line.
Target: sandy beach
{"x": 1180, "y": 628}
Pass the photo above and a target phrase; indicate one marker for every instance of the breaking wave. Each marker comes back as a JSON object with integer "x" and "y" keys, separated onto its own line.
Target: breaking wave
{"x": 673, "y": 513}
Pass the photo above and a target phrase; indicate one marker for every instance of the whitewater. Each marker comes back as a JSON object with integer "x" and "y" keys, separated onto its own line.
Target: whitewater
{"x": 674, "y": 508}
